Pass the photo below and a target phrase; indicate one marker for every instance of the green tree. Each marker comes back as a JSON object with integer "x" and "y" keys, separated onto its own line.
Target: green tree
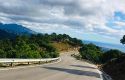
{"x": 35, "y": 45}
{"x": 12, "y": 54}
{"x": 91, "y": 52}
{"x": 123, "y": 40}
{"x": 111, "y": 54}
{"x": 2, "y": 54}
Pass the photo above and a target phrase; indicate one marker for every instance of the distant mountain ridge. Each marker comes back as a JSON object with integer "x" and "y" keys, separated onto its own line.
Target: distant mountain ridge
{"x": 107, "y": 46}
{"x": 12, "y": 30}
{"x": 16, "y": 29}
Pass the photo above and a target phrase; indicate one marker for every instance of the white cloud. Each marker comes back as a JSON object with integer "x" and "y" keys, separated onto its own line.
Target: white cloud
{"x": 119, "y": 24}
{"x": 77, "y": 15}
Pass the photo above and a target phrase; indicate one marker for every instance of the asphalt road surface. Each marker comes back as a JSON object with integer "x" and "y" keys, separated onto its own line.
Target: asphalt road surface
{"x": 67, "y": 69}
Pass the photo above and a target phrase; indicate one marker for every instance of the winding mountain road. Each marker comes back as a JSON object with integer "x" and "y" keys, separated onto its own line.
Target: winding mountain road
{"x": 67, "y": 69}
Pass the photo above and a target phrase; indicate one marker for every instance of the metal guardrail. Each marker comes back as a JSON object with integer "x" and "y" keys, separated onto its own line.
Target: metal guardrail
{"x": 26, "y": 60}
{"x": 12, "y": 61}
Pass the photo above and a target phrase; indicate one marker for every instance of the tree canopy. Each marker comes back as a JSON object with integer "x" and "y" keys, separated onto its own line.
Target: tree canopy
{"x": 34, "y": 46}
{"x": 123, "y": 40}
{"x": 91, "y": 52}
{"x": 95, "y": 54}
{"x": 111, "y": 55}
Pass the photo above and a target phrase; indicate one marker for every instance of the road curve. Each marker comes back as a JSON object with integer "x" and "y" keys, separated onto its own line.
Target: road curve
{"x": 68, "y": 69}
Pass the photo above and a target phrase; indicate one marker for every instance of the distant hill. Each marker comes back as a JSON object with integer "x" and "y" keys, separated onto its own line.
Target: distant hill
{"x": 15, "y": 29}
{"x": 107, "y": 46}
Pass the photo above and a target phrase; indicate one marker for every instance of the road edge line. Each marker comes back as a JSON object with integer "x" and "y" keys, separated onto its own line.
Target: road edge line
{"x": 100, "y": 73}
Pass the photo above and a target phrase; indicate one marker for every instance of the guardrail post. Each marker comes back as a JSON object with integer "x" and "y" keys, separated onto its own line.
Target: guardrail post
{"x": 39, "y": 62}
{"x": 11, "y": 64}
{"x": 28, "y": 63}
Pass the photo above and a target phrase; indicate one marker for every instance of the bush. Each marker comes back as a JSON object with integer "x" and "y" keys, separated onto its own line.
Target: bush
{"x": 111, "y": 54}
{"x": 91, "y": 52}
{"x": 54, "y": 54}
{"x": 49, "y": 54}
{"x": 2, "y": 54}
{"x": 32, "y": 54}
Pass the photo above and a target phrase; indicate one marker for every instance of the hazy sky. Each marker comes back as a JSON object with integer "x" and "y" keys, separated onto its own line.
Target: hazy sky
{"x": 98, "y": 20}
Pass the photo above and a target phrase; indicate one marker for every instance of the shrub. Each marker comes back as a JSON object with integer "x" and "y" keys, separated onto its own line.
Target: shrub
{"x": 91, "y": 52}
{"x": 111, "y": 54}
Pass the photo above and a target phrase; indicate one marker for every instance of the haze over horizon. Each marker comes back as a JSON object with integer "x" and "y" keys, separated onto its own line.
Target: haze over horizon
{"x": 97, "y": 20}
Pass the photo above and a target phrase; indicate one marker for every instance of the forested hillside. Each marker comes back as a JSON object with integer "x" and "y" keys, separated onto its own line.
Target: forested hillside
{"x": 5, "y": 34}
{"x": 111, "y": 61}
{"x": 35, "y": 45}
{"x": 116, "y": 67}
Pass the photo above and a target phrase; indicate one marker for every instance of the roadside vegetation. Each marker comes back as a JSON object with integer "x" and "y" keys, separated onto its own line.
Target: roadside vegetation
{"x": 49, "y": 46}
{"x": 94, "y": 54}
{"x": 36, "y": 45}
{"x": 116, "y": 67}
{"x": 111, "y": 61}
{"x": 91, "y": 52}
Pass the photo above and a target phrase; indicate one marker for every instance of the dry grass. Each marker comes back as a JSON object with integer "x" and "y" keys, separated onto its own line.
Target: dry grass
{"x": 61, "y": 46}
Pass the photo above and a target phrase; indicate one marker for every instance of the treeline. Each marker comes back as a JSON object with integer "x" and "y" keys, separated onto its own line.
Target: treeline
{"x": 112, "y": 61}
{"x": 64, "y": 38}
{"x": 95, "y": 54}
{"x": 34, "y": 46}
{"x": 116, "y": 67}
